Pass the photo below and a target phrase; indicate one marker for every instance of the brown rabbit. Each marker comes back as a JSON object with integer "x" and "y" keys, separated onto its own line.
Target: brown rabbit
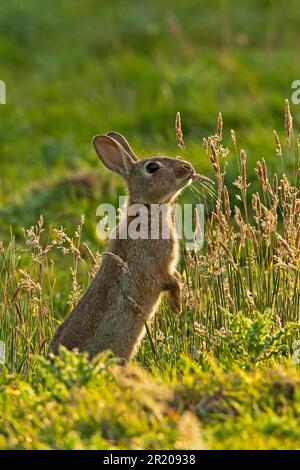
{"x": 127, "y": 288}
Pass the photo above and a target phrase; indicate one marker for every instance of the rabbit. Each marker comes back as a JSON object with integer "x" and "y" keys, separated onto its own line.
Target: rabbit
{"x": 126, "y": 291}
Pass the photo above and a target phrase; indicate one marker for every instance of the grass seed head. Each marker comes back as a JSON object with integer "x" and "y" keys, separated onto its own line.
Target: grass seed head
{"x": 288, "y": 123}
{"x": 278, "y": 148}
{"x": 220, "y": 127}
{"x": 179, "y": 133}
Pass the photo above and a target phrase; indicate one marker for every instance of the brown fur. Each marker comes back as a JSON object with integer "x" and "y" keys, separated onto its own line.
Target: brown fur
{"x": 127, "y": 288}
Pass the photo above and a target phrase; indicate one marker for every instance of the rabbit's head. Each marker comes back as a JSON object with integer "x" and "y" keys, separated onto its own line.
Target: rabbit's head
{"x": 153, "y": 180}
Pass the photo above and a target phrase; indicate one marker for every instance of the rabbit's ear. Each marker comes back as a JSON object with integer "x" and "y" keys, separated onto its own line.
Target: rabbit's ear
{"x": 121, "y": 139}
{"x": 113, "y": 155}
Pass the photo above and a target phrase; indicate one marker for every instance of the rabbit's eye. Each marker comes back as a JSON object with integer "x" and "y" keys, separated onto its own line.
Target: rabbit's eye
{"x": 152, "y": 167}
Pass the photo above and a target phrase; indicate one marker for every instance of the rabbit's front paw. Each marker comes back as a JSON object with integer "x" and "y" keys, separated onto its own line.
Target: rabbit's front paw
{"x": 173, "y": 287}
{"x": 175, "y": 304}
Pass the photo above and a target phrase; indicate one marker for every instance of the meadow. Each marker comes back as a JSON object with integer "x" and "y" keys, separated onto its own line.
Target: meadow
{"x": 227, "y": 368}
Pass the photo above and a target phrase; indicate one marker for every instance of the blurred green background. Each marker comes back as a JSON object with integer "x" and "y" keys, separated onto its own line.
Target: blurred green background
{"x": 77, "y": 68}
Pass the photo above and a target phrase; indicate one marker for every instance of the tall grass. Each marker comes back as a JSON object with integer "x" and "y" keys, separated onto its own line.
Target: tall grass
{"x": 246, "y": 279}
{"x": 32, "y": 304}
{"x": 251, "y": 262}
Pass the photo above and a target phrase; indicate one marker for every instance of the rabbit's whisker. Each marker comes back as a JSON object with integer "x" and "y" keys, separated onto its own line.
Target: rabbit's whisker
{"x": 206, "y": 188}
{"x": 200, "y": 194}
{"x": 202, "y": 178}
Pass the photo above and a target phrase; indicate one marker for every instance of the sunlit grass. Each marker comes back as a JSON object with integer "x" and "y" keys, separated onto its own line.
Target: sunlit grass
{"x": 240, "y": 313}
{"x": 226, "y": 368}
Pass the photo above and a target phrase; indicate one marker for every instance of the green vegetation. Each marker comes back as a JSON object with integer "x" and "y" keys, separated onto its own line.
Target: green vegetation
{"x": 227, "y": 367}
{"x": 77, "y": 404}
{"x": 74, "y": 404}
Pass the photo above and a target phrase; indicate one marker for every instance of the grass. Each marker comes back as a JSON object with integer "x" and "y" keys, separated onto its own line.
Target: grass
{"x": 229, "y": 361}
{"x": 76, "y": 404}
{"x": 227, "y": 367}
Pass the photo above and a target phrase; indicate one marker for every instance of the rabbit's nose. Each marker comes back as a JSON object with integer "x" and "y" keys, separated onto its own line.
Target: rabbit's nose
{"x": 183, "y": 169}
{"x": 187, "y": 167}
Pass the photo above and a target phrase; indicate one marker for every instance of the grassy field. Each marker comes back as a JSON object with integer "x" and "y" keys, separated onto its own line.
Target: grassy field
{"x": 228, "y": 367}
